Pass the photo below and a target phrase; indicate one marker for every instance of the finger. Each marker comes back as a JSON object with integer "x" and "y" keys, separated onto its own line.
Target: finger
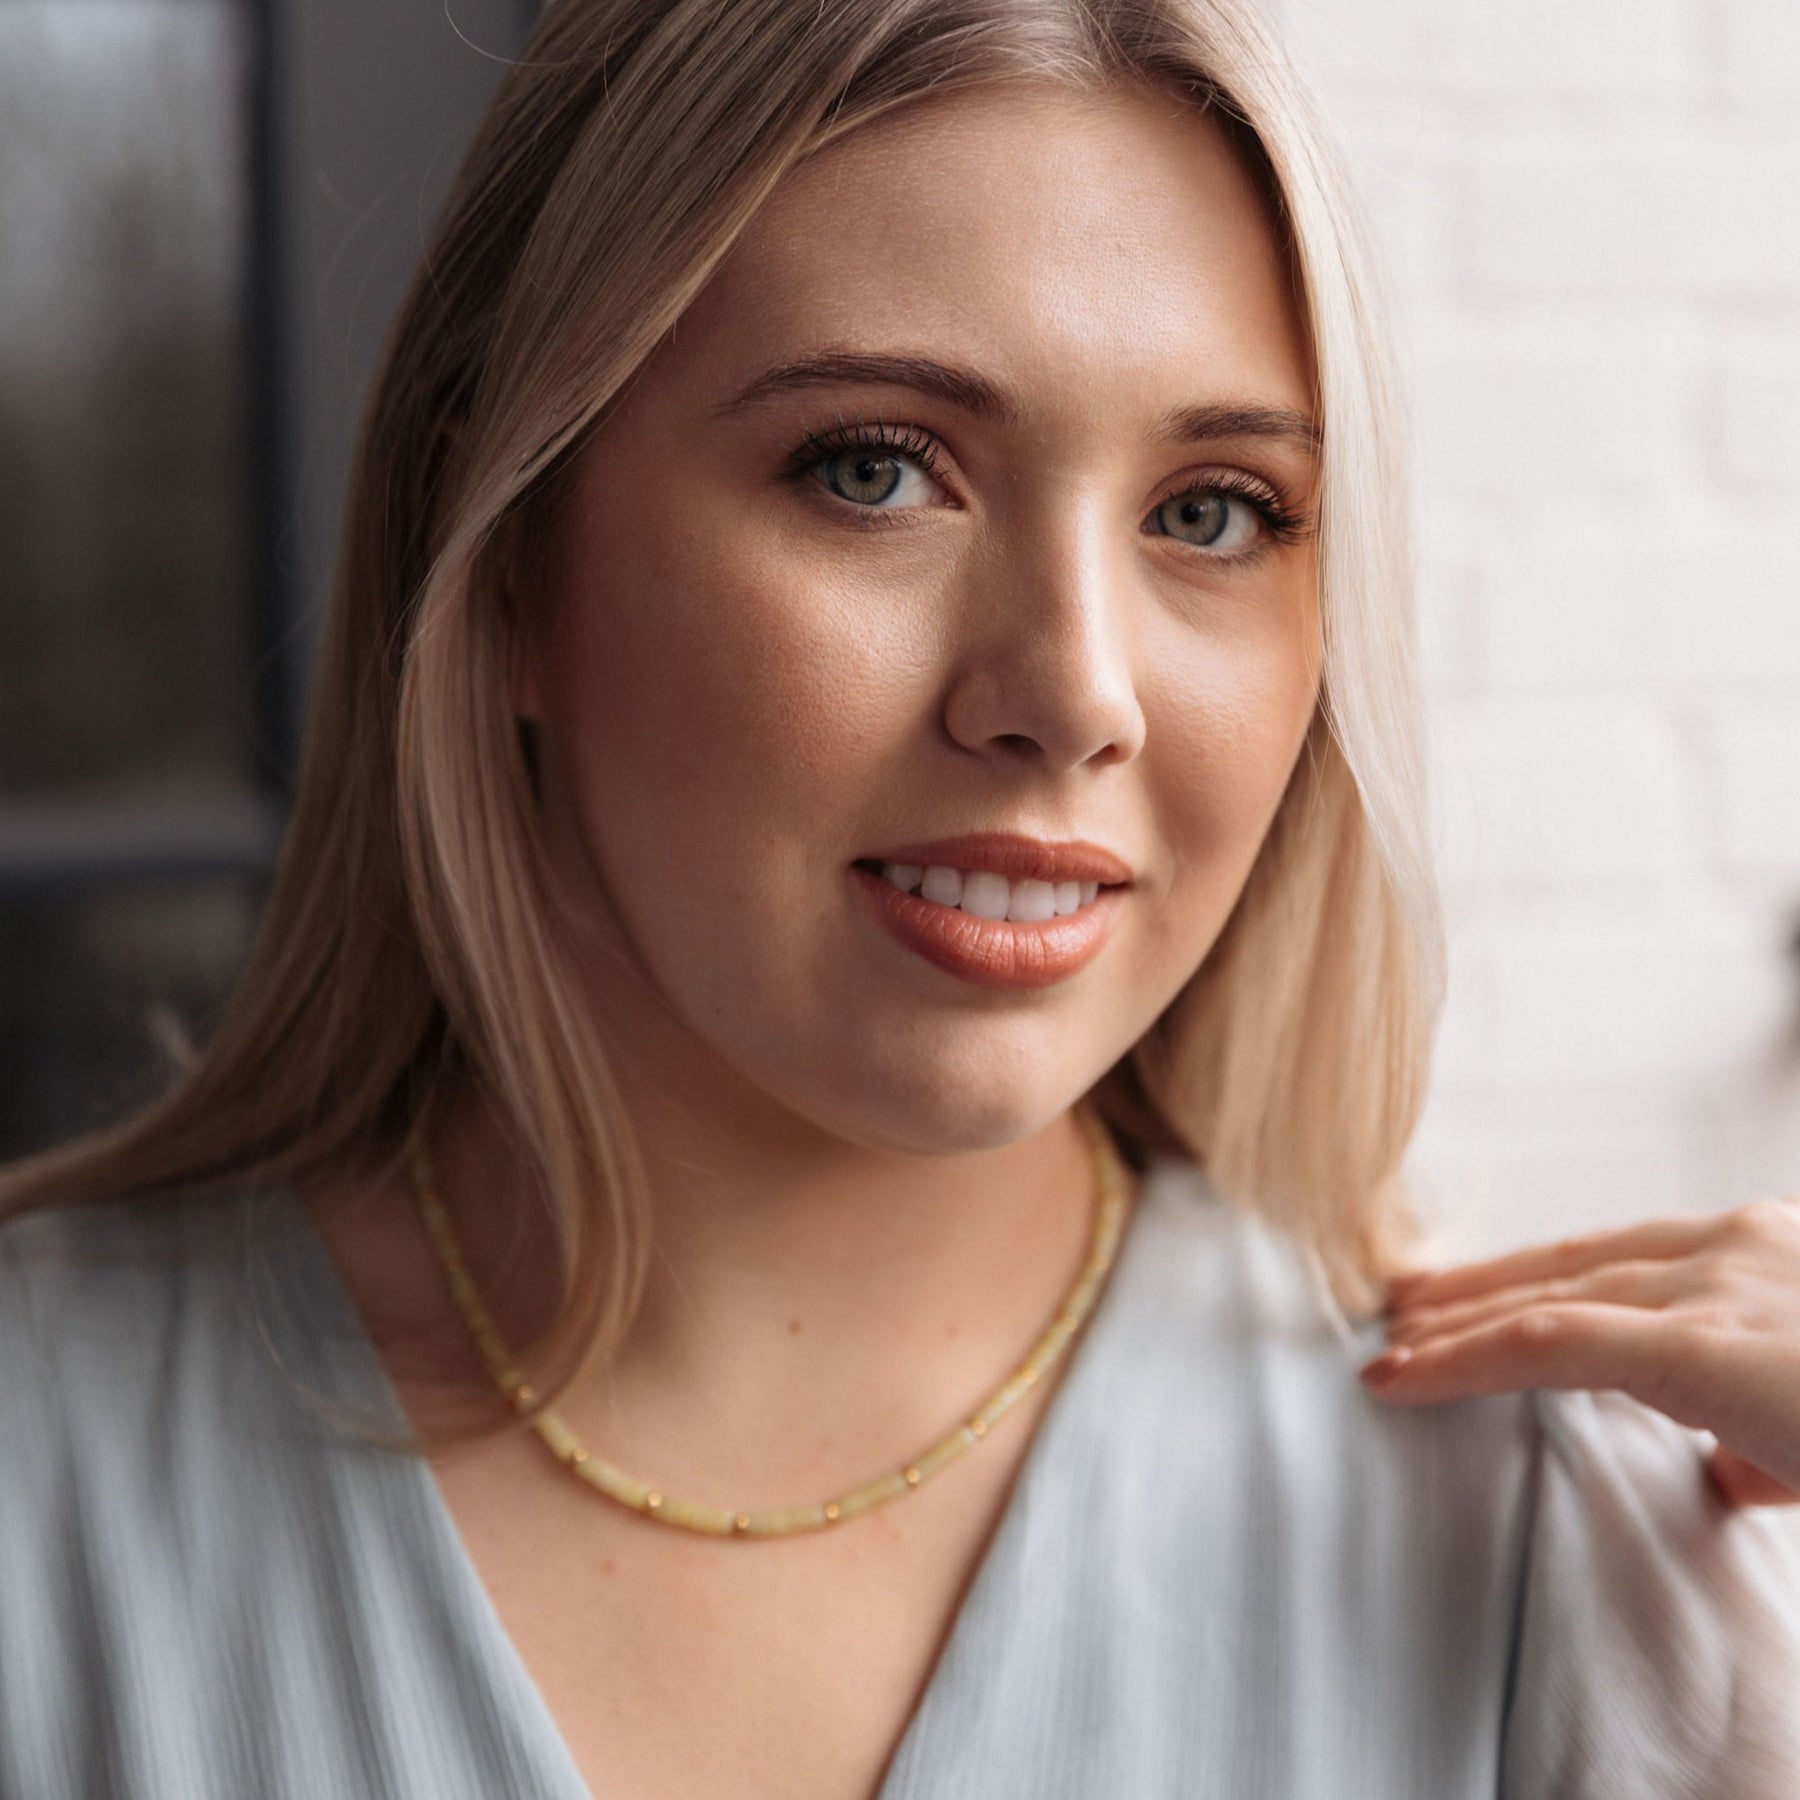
{"x": 1678, "y": 1235}
{"x": 1578, "y": 1345}
{"x": 1643, "y": 1283}
{"x": 1744, "y": 1483}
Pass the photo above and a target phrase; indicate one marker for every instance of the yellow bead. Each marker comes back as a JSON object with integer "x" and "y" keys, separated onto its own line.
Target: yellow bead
{"x": 1076, "y": 1306}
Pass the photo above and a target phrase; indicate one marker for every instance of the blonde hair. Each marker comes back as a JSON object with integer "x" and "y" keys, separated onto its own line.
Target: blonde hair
{"x": 413, "y": 932}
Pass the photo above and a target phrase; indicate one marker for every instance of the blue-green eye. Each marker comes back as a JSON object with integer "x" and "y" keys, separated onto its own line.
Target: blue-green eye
{"x": 869, "y": 477}
{"x": 877, "y": 467}
{"x": 1211, "y": 519}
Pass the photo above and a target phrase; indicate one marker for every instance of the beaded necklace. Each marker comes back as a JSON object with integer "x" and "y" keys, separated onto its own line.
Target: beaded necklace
{"x": 725, "y": 1521}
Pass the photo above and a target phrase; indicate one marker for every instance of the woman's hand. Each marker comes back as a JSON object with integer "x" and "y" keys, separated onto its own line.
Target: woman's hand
{"x": 1697, "y": 1315}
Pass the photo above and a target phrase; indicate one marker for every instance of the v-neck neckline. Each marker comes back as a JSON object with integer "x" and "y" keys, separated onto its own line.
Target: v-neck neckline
{"x": 499, "y": 1656}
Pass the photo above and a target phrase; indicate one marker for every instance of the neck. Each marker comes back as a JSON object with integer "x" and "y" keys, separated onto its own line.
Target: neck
{"x": 811, "y": 1304}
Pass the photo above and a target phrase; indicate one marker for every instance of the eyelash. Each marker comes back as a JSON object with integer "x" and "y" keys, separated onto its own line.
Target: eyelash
{"x": 820, "y": 446}
{"x": 1284, "y": 524}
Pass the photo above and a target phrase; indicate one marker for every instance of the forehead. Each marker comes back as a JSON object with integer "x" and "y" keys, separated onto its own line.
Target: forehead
{"x": 1084, "y": 248}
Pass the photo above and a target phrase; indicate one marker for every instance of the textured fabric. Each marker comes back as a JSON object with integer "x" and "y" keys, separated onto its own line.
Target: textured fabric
{"x": 1225, "y": 1571}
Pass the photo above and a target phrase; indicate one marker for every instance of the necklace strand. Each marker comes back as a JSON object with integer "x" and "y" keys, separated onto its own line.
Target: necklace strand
{"x": 725, "y": 1521}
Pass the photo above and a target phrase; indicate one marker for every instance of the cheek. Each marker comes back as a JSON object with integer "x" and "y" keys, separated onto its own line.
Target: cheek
{"x": 1232, "y": 714}
{"x": 713, "y": 691}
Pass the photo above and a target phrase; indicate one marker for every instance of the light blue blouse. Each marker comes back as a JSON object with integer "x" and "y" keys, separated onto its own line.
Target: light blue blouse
{"x": 1225, "y": 1571}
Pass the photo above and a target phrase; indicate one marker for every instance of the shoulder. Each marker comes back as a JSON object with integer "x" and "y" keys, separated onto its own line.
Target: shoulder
{"x": 1658, "y": 1641}
{"x": 1245, "y": 1536}
{"x": 182, "y": 1536}
{"x": 1232, "y": 1380}
{"x": 95, "y": 1295}
{"x": 148, "y": 1345}
{"x": 1580, "y": 1605}
{"x": 1219, "y": 1294}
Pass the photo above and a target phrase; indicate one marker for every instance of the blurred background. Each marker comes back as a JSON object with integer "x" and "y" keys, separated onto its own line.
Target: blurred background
{"x": 208, "y": 212}
{"x": 1591, "y": 214}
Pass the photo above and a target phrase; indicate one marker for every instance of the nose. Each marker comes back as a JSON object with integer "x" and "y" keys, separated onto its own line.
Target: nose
{"x": 1046, "y": 667}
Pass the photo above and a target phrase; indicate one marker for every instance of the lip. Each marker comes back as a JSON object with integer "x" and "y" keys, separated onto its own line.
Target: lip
{"x": 992, "y": 953}
{"x": 1017, "y": 858}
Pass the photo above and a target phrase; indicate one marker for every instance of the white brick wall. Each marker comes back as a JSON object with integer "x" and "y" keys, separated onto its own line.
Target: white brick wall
{"x": 1591, "y": 211}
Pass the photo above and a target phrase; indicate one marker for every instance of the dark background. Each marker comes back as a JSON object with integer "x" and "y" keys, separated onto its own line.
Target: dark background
{"x": 208, "y": 211}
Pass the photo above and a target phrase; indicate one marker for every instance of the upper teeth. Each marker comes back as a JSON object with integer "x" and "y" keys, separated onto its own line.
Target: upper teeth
{"x": 990, "y": 896}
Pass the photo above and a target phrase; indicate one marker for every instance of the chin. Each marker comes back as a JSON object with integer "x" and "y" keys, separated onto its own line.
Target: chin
{"x": 933, "y": 1107}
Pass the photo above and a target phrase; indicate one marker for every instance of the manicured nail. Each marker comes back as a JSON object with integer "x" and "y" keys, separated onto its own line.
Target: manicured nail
{"x": 1388, "y": 1364}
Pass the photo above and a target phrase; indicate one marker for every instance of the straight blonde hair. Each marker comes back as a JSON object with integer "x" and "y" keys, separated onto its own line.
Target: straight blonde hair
{"x": 413, "y": 934}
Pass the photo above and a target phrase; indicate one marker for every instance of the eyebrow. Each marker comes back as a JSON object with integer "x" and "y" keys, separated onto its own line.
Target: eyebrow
{"x": 982, "y": 398}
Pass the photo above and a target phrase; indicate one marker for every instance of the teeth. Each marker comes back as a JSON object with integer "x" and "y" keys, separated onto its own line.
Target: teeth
{"x": 990, "y": 896}
{"x": 942, "y": 885}
{"x": 986, "y": 896}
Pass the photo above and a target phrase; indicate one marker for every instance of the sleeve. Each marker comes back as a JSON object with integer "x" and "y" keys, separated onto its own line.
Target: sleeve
{"x": 1656, "y": 1643}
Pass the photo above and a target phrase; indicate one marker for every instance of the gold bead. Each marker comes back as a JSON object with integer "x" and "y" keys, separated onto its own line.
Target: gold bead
{"x": 1077, "y": 1304}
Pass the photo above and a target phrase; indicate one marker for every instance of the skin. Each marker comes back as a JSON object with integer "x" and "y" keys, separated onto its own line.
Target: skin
{"x": 1693, "y": 1315}
{"x": 868, "y": 1192}
{"x": 740, "y": 687}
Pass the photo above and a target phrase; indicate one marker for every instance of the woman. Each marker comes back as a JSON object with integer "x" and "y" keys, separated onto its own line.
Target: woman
{"x": 854, "y": 950}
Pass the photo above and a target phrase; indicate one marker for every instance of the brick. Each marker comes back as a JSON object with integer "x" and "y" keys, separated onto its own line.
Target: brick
{"x": 1759, "y": 421}
{"x": 1574, "y": 47}
{"x": 1685, "y": 993}
{"x": 1464, "y": 1049}
{"x": 1585, "y": 206}
{"x": 1757, "y": 763}
{"x": 1697, "y": 217}
{"x": 1501, "y": 1170}
{"x": 1408, "y": 177}
{"x": 1759, "y": 1125}
{"x": 1377, "y": 44}
{"x": 1618, "y": 610}
{"x": 1760, "y": 45}
{"x": 1522, "y": 415}
{"x": 1547, "y": 793}
{"x": 1449, "y": 602}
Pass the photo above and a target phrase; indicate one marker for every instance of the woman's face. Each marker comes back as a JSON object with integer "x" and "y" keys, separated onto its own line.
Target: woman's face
{"x": 970, "y": 497}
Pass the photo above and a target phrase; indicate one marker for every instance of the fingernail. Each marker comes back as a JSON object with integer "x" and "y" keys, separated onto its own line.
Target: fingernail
{"x": 1388, "y": 1364}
